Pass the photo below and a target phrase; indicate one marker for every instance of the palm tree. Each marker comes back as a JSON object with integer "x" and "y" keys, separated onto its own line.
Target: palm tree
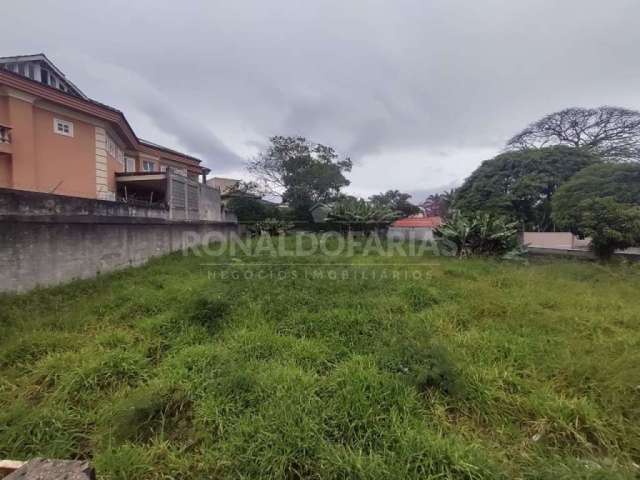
{"x": 438, "y": 204}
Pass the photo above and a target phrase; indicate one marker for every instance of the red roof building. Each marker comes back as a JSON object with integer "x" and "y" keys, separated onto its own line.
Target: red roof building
{"x": 417, "y": 222}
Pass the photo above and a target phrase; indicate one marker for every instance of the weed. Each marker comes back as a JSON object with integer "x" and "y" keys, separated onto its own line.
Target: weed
{"x": 478, "y": 370}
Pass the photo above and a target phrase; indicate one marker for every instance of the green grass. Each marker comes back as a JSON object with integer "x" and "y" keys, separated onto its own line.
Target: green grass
{"x": 475, "y": 369}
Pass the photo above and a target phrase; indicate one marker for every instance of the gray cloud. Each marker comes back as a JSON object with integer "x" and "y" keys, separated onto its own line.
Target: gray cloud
{"x": 417, "y": 92}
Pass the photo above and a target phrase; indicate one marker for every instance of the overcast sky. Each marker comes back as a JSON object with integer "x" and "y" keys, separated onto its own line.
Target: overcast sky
{"x": 418, "y": 93}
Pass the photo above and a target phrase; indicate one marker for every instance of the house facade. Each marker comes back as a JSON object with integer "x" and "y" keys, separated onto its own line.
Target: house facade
{"x": 54, "y": 139}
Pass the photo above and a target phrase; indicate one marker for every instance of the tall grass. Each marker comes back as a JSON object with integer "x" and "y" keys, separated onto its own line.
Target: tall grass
{"x": 470, "y": 369}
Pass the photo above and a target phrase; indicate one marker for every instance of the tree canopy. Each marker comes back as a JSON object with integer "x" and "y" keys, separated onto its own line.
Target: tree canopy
{"x": 611, "y": 225}
{"x": 438, "y": 204}
{"x": 302, "y": 172}
{"x": 610, "y": 132}
{"x": 251, "y": 209}
{"x": 520, "y": 184}
{"x": 621, "y": 182}
{"x": 396, "y": 201}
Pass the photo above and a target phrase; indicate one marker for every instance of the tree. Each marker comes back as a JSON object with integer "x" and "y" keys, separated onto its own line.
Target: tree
{"x": 438, "y": 204}
{"x": 611, "y": 225}
{"x": 610, "y": 132}
{"x": 251, "y": 208}
{"x": 602, "y": 202}
{"x": 302, "y": 172}
{"x": 621, "y": 182}
{"x": 519, "y": 185}
{"x": 396, "y": 201}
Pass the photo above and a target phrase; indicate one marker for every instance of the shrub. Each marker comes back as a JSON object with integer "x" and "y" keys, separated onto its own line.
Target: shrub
{"x": 360, "y": 215}
{"x": 611, "y": 225}
{"x": 482, "y": 234}
{"x": 272, "y": 226}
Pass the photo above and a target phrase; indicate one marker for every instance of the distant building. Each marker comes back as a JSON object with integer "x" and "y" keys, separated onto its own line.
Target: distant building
{"x": 225, "y": 185}
{"x": 320, "y": 212}
{"x": 414, "y": 228}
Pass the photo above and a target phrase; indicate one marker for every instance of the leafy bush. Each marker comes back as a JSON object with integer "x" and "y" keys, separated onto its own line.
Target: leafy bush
{"x": 358, "y": 214}
{"x": 611, "y": 225}
{"x": 482, "y": 234}
{"x": 272, "y": 226}
{"x": 251, "y": 208}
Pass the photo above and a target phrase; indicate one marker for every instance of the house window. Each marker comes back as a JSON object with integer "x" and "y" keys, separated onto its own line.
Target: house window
{"x": 114, "y": 150}
{"x": 44, "y": 76}
{"x": 130, "y": 165}
{"x": 163, "y": 168}
{"x": 62, "y": 127}
{"x": 148, "y": 166}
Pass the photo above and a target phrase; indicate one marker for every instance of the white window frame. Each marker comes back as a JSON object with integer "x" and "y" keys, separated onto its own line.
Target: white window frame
{"x": 114, "y": 150}
{"x": 63, "y": 123}
{"x": 148, "y": 162}
{"x": 129, "y": 164}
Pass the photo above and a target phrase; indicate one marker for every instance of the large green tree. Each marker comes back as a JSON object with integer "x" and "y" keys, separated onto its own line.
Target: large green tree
{"x": 519, "y": 185}
{"x": 621, "y": 182}
{"x": 302, "y": 172}
{"x": 611, "y": 225}
{"x": 396, "y": 201}
{"x": 602, "y": 202}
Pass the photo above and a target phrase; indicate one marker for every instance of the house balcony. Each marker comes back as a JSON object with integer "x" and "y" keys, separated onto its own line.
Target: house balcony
{"x": 142, "y": 187}
{"x": 184, "y": 197}
{"x": 5, "y": 139}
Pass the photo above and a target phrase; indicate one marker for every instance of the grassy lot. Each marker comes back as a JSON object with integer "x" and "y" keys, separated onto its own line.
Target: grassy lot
{"x": 457, "y": 369}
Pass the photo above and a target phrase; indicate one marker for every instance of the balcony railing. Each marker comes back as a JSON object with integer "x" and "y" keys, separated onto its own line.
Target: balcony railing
{"x": 5, "y": 133}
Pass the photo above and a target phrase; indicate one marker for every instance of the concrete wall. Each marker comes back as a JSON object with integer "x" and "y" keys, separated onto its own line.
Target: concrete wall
{"x": 50, "y": 239}
{"x": 44, "y": 253}
{"x": 211, "y": 204}
{"x": 563, "y": 240}
{"x": 559, "y": 240}
{"x": 36, "y": 205}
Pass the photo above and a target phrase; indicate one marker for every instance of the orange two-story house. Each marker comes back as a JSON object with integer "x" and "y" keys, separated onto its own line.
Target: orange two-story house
{"x": 54, "y": 139}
